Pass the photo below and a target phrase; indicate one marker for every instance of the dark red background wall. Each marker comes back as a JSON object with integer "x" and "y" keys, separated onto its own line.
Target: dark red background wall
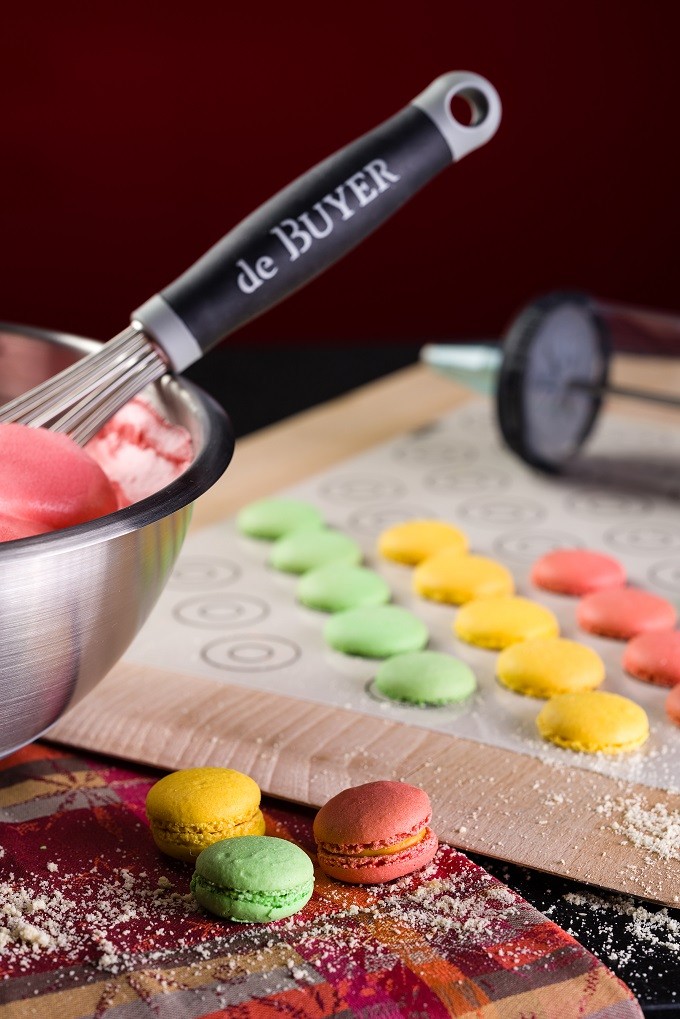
{"x": 134, "y": 134}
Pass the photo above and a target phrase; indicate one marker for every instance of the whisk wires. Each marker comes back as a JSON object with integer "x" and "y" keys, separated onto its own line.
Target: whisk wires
{"x": 82, "y": 398}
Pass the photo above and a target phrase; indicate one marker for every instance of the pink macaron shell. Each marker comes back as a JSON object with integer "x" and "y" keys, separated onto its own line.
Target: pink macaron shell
{"x": 576, "y": 571}
{"x": 624, "y": 612}
{"x": 372, "y": 815}
{"x": 673, "y": 704}
{"x": 654, "y": 657}
{"x": 368, "y": 870}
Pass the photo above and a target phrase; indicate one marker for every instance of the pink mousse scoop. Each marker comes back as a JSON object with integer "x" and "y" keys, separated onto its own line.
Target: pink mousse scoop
{"x": 140, "y": 452}
{"x": 48, "y": 482}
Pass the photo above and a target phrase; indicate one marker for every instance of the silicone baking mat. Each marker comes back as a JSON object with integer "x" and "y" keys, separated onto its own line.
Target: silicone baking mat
{"x": 226, "y": 615}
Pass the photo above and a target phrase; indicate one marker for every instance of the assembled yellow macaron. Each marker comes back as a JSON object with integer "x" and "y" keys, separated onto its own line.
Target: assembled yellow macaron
{"x": 191, "y": 809}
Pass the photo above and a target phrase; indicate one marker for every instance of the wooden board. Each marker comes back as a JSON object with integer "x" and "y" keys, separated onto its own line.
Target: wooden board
{"x": 492, "y": 801}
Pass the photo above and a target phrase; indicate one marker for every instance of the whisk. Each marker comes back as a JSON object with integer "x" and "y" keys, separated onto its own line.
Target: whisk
{"x": 282, "y": 245}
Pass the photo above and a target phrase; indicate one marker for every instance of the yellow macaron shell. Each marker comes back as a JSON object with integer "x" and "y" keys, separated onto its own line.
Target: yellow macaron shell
{"x": 547, "y": 666}
{"x": 496, "y": 623}
{"x": 415, "y": 540}
{"x": 190, "y": 809}
{"x": 454, "y": 578}
{"x": 593, "y": 722}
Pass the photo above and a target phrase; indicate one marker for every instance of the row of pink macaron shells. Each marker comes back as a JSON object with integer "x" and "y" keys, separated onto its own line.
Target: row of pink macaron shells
{"x": 609, "y": 607}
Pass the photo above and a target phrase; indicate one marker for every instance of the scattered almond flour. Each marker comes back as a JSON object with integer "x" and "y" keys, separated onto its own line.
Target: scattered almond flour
{"x": 655, "y": 829}
{"x": 34, "y": 918}
{"x": 647, "y": 928}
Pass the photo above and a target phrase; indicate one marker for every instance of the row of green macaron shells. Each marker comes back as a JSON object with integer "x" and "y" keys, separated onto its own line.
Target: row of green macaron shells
{"x": 362, "y": 623}
{"x": 536, "y": 662}
{"x": 211, "y": 817}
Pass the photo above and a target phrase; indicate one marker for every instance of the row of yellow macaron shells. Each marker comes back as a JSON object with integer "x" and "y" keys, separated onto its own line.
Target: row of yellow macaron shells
{"x": 534, "y": 660}
{"x": 366, "y": 834}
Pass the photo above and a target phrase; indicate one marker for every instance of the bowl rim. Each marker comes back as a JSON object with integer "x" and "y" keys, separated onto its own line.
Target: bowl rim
{"x": 207, "y": 467}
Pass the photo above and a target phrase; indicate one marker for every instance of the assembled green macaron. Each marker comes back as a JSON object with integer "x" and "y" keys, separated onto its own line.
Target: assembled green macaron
{"x": 253, "y": 879}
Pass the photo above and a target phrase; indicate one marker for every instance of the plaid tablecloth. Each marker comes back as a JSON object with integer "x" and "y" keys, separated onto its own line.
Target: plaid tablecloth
{"x": 95, "y": 922}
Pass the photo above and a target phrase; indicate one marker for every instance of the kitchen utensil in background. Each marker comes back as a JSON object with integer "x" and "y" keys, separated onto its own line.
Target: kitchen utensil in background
{"x": 550, "y": 374}
{"x": 285, "y": 243}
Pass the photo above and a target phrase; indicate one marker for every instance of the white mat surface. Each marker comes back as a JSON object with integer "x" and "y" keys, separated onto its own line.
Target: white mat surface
{"x": 227, "y": 616}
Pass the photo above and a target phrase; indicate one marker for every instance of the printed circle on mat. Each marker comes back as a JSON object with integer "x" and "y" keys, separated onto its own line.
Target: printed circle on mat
{"x": 434, "y": 449}
{"x": 361, "y": 488}
{"x": 203, "y": 572}
{"x": 451, "y": 479}
{"x": 251, "y": 652}
{"x": 607, "y": 504}
{"x": 666, "y": 574}
{"x": 374, "y": 519}
{"x": 526, "y": 546}
{"x": 645, "y": 538}
{"x": 494, "y": 512}
{"x": 218, "y": 610}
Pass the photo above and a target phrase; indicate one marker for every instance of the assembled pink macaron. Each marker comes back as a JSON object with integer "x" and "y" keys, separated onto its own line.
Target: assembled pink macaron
{"x": 623, "y": 612}
{"x": 654, "y": 657}
{"x": 375, "y": 832}
{"x": 577, "y": 571}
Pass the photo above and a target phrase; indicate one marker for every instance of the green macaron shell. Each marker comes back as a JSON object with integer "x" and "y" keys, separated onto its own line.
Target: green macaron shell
{"x": 376, "y": 631}
{"x": 253, "y": 879}
{"x": 341, "y": 586}
{"x": 270, "y": 519}
{"x": 425, "y": 677}
{"x": 306, "y": 550}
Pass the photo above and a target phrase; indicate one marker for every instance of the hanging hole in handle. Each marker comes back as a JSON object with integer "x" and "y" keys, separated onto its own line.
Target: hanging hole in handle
{"x": 468, "y": 107}
{"x": 476, "y": 125}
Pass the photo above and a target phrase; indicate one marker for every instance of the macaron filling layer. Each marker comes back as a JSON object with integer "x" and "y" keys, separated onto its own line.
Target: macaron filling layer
{"x": 189, "y": 834}
{"x": 389, "y": 850}
{"x": 276, "y": 904}
{"x": 372, "y": 858}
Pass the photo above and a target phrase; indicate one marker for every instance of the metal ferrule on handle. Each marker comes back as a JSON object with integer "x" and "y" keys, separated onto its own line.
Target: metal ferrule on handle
{"x": 317, "y": 219}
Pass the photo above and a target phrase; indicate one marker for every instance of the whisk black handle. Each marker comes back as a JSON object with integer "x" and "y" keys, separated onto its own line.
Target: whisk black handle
{"x": 317, "y": 219}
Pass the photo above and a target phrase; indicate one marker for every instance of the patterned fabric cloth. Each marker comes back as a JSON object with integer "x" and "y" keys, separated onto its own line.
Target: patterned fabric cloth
{"x": 94, "y": 922}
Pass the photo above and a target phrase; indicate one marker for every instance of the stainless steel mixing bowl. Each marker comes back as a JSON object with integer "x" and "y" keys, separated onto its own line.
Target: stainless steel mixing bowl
{"x": 72, "y": 601}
